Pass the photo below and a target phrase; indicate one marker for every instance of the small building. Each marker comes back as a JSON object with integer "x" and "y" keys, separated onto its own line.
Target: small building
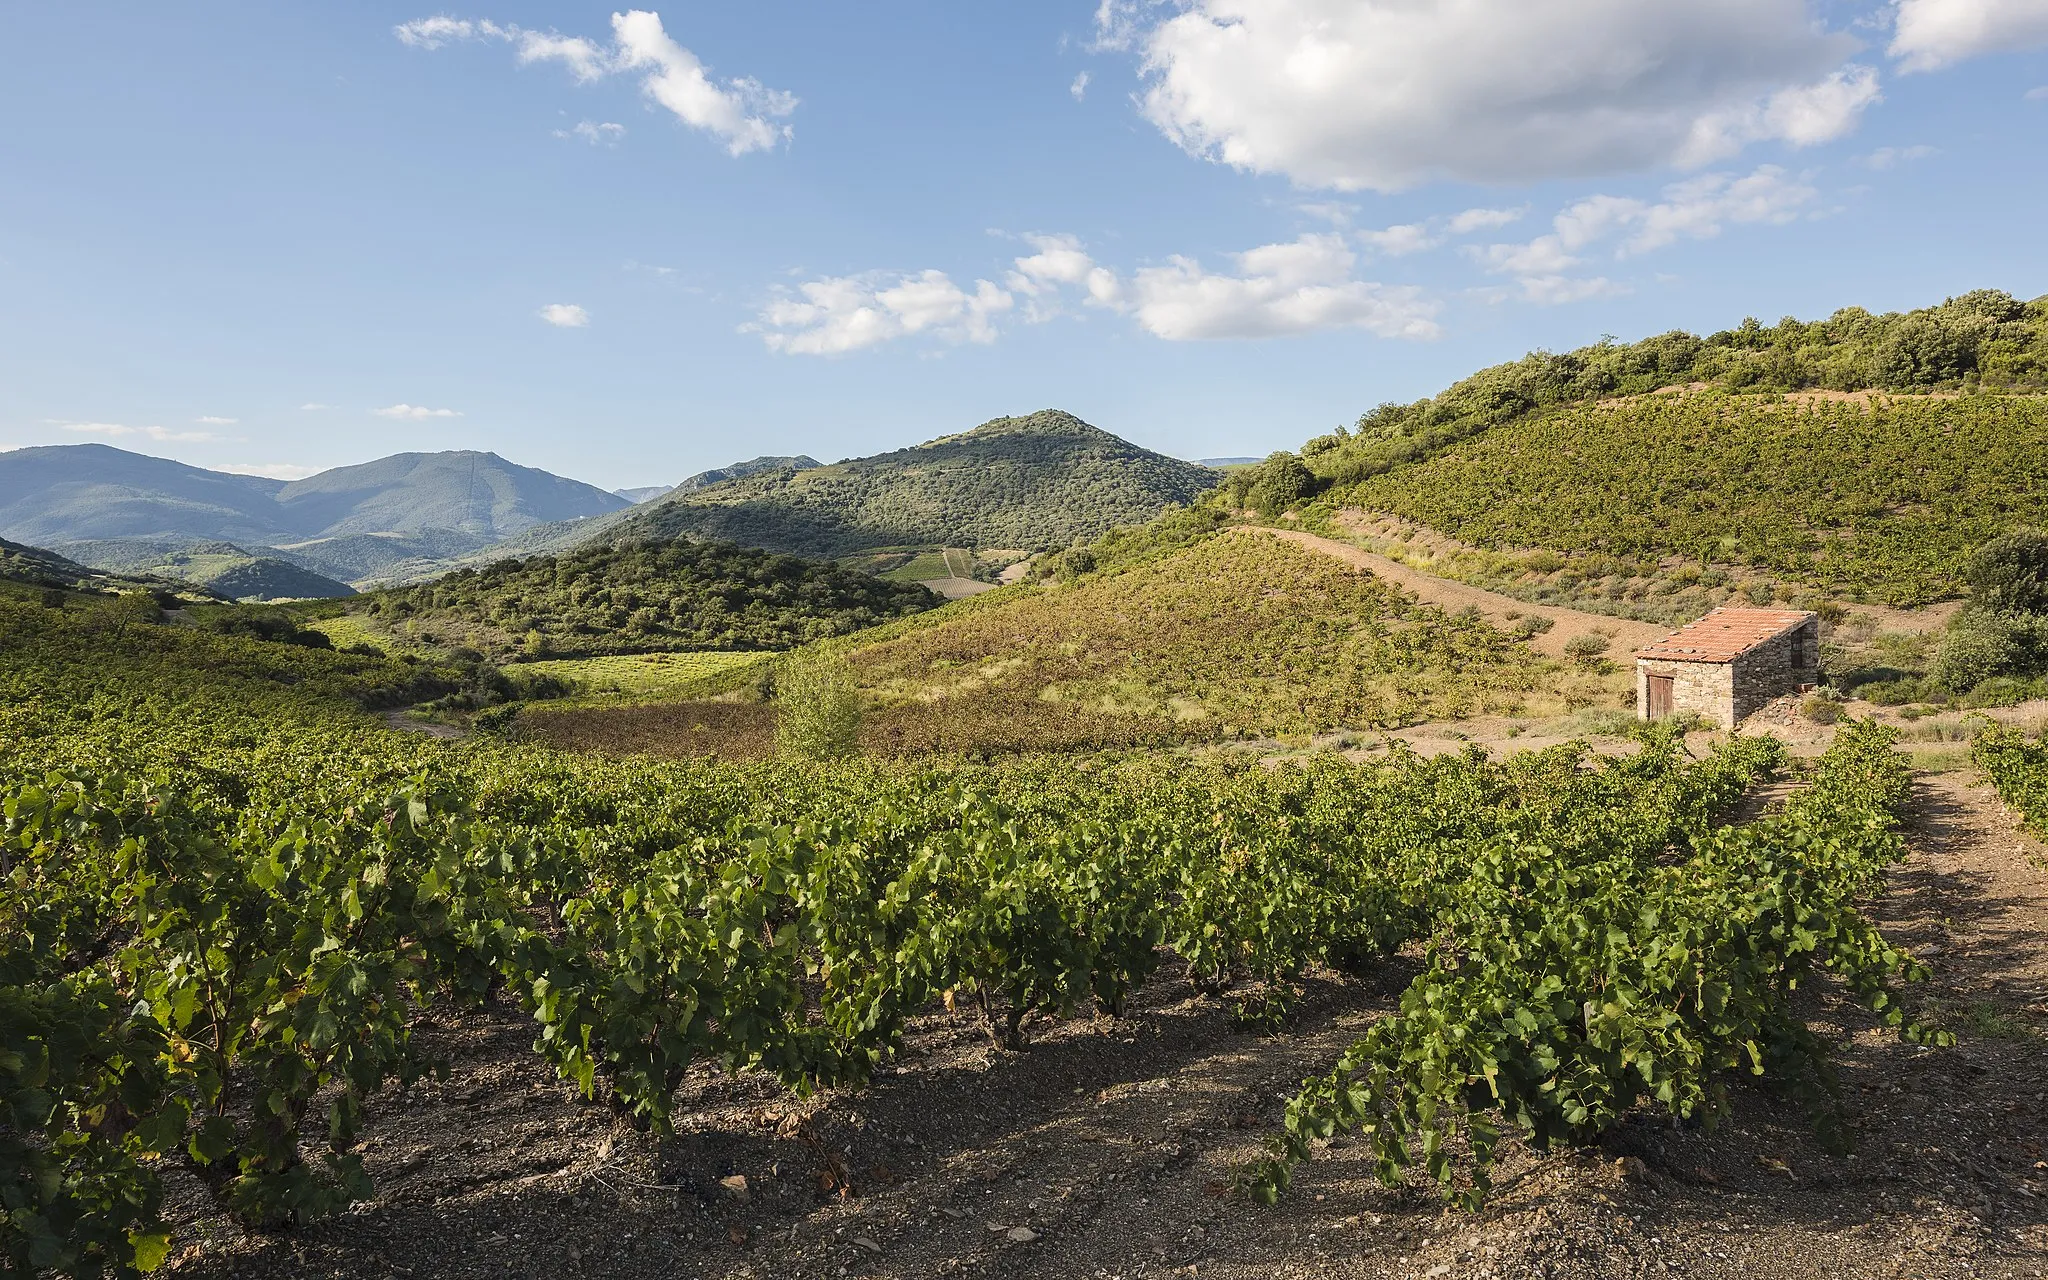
{"x": 1729, "y": 664}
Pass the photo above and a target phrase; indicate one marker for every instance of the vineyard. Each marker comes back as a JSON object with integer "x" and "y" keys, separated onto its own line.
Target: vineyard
{"x": 1883, "y": 501}
{"x": 230, "y": 899}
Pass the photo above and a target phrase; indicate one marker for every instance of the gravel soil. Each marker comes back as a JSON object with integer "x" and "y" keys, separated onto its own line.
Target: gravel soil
{"x": 1107, "y": 1149}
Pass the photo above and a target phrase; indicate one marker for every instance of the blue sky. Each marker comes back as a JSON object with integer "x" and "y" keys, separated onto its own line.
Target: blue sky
{"x": 628, "y": 245}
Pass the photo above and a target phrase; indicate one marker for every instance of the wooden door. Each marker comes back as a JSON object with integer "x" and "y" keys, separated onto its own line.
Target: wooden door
{"x": 1660, "y": 697}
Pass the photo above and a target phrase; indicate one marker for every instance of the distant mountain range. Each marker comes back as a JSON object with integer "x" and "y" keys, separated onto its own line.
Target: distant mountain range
{"x": 125, "y": 511}
{"x": 1040, "y": 481}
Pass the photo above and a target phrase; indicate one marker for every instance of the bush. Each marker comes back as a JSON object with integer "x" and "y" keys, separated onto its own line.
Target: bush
{"x": 1978, "y": 645}
{"x": 817, "y": 706}
{"x": 1587, "y": 648}
{"x": 1281, "y": 481}
{"x": 1821, "y": 709}
{"x": 2010, "y": 574}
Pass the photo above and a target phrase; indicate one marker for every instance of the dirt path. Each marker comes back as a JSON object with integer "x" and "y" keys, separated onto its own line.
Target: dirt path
{"x": 399, "y": 720}
{"x": 1627, "y": 636}
{"x": 1105, "y": 1150}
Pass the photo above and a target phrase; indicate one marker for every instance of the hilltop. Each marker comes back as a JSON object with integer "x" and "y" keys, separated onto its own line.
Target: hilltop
{"x": 1044, "y": 480}
{"x": 638, "y": 597}
{"x": 1859, "y": 457}
{"x": 222, "y": 568}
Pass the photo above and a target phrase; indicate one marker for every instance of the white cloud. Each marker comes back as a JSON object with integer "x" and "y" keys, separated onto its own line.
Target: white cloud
{"x": 1695, "y": 209}
{"x": 1416, "y": 237}
{"x": 1080, "y": 87}
{"x": 1484, "y": 219}
{"x": 271, "y": 470}
{"x": 415, "y": 412}
{"x": 847, "y": 313}
{"x": 1299, "y": 287}
{"x": 2037, "y": 95}
{"x": 1302, "y": 286}
{"x": 1892, "y": 157}
{"x": 1060, "y": 261}
{"x": 212, "y": 421}
{"x": 739, "y": 112}
{"x": 432, "y": 33}
{"x": 606, "y": 134}
{"x": 1385, "y": 94}
{"x": 313, "y": 406}
{"x": 1932, "y": 34}
{"x": 161, "y": 435}
{"x": 565, "y": 315}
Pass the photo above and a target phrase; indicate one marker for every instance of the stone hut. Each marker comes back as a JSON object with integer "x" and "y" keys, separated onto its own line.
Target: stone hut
{"x": 1728, "y": 664}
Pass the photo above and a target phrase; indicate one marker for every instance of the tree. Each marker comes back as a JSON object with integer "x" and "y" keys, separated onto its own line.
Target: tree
{"x": 817, "y": 706}
{"x": 1282, "y": 481}
{"x": 2009, "y": 574}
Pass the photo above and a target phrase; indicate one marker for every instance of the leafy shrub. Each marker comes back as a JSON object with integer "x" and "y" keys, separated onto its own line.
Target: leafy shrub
{"x": 2009, "y": 574}
{"x": 1821, "y": 709}
{"x": 1587, "y": 648}
{"x": 817, "y": 706}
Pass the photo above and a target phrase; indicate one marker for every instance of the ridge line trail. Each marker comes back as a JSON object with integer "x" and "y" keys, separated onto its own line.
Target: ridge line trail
{"x": 1628, "y": 635}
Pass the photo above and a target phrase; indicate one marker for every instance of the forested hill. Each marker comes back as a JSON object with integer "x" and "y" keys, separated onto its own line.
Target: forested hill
{"x": 1045, "y": 480}
{"x": 640, "y": 597}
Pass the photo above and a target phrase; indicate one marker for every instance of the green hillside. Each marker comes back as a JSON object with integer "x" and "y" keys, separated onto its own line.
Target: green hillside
{"x": 223, "y": 568}
{"x": 1984, "y": 340}
{"x": 1883, "y": 500}
{"x": 1046, "y": 480}
{"x": 639, "y": 597}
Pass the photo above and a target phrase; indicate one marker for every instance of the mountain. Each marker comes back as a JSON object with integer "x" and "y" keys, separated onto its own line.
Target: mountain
{"x": 641, "y": 597}
{"x": 1227, "y": 462}
{"x": 222, "y": 568}
{"x": 350, "y": 524}
{"x": 1041, "y": 481}
{"x": 74, "y": 492}
{"x": 479, "y": 494}
{"x": 741, "y": 470}
{"x": 650, "y": 492}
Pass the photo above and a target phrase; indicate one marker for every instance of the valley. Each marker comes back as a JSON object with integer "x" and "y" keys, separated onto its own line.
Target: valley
{"x": 1023, "y": 853}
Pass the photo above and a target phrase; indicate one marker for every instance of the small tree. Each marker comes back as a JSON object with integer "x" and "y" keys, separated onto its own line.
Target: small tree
{"x": 1281, "y": 481}
{"x": 817, "y": 706}
{"x": 2010, "y": 574}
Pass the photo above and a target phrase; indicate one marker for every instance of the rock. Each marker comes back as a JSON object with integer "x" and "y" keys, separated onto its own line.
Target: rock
{"x": 865, "y": 1243}
{"x": 1021, "y": 1235}
{"x": 736, "y": 1187}
{"x": 1632, "y": 1169}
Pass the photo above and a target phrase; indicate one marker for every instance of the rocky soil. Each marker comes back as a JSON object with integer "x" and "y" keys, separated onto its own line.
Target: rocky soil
{"x": 1106, "y": 1150}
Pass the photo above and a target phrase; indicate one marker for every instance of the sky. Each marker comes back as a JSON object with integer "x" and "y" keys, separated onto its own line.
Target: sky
{"x": 628, "y": 245}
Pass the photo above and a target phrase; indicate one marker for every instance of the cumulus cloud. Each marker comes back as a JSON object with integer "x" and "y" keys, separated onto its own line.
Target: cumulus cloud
{"x": 847, "y": 313}
{"x": 313, "y": 406}
{"x": 565, "y": 315}
{"x": 1277, "y": 289}
{"x": 1385, "y": 94}
{"x": 271, "y": 470}
{"x": 415, "y": 412}
{"x": 162, "y": 435}
{"x": 1080, "y": 87}
{"x": 1301, "y": 286}
{"x": 741, "y": 113}
{"x": 1623, "y": 227}
{"x": 212, "y": 421}
{"x": 1932, "y": 34}
{"x": 605, "y": 134}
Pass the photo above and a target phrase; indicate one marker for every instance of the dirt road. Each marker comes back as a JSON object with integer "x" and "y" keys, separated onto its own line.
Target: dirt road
{"x": 1627, "y": 636}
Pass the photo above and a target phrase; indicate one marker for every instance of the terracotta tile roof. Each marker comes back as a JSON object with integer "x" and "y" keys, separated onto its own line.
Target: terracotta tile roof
{"x": 1724, "y": 635}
